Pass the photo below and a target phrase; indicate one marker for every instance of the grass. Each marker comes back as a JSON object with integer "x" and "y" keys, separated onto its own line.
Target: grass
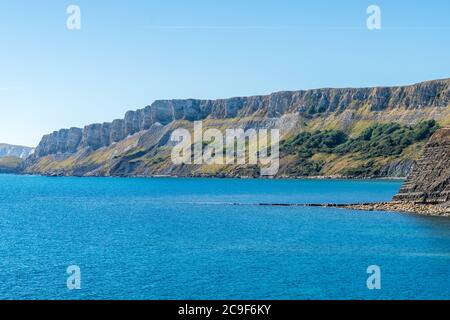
{"x": 10, "y": 164}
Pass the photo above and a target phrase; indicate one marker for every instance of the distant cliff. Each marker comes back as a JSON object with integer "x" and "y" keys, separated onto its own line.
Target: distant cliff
{"x": 11, "y": 157}
{"x": 138, "y": 143}
{"x": 7, "y": 150}
{"x": 429, "y": 181}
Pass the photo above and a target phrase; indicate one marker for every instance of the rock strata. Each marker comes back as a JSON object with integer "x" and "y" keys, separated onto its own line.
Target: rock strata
{"x": 427, "y": 189}
{"x": 139, "y": 144}
{"x": 429, "y": 181}
{"x": 8, "y": 150}
{"x": 307, "y": 103}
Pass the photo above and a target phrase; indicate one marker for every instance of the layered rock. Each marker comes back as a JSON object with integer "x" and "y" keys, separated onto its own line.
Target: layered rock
{"x": 138, "y": 144}
{"x": 8, "y": 150}
{"x": 432, "y": 94}
{"x": 398, "y": 168}
{"x": 429, "y": 181}
{"x": 62, "y": 141}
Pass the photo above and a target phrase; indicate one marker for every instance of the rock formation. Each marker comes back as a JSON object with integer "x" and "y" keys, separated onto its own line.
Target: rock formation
{"x": 8, "y": 150}
{"x": 433, "y": 94}
{"x": 429, "y": 181}
{"x": 11, "y": 157}
{"x": 138, "y": 143}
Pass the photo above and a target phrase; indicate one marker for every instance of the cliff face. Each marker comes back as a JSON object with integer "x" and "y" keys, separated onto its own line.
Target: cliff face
{"x": 433, "y": 94}
{"x": 11, "y": 157}
{"x": 7, "y": 150}
{"x": 103, "y": 149}
{"x": 429, "y": 181}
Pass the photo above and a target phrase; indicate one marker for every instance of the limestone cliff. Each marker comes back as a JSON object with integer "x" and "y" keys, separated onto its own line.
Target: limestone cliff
{"x": 11, "y": 157}
{"x": 138, "y": 143}
{"x": 429, "y": 181}
{"x": 8, "y": 150}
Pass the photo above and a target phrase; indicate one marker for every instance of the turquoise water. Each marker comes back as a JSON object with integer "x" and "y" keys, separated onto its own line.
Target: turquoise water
{"x": 182, "y": 239}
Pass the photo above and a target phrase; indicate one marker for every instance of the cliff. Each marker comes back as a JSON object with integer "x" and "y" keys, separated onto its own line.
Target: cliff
{"x": 138, "y": 143}
{"x": 8, "y": 150}
{"x": 10, "y": 165}
{"x": 12, "y": 157}
{"x": 429, "y": 181}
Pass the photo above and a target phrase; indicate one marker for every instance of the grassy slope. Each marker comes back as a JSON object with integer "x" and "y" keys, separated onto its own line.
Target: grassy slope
{"x": 333, "y": 152}
{"x": 9, "y": 164}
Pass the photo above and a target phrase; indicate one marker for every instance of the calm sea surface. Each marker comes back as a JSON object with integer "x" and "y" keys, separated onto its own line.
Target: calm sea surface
{"x": 183, "y": 239}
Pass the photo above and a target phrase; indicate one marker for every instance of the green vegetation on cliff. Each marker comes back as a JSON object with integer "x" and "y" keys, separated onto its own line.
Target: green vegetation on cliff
{"x": 367, "y": 151}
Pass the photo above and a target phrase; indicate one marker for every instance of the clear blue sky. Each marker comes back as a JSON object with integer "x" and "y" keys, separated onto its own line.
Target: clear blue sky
{"x": 129, "y": 53}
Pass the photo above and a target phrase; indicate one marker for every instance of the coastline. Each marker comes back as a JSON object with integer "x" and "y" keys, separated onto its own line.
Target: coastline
{"x": 372, "y": 178}
{"x": 423, "y": 209}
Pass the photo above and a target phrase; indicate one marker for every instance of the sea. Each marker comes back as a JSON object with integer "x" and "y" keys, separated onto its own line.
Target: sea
{"x": 173, "y": 238}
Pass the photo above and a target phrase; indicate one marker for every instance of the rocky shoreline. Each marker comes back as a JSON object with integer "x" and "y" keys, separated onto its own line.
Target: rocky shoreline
{"x": 425, "y": 209}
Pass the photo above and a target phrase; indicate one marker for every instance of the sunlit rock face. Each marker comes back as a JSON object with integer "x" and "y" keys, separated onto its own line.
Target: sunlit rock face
{"x": 432, "y": 94}
{"x": 139, "y": 143}
{"x": 8, "y": 150}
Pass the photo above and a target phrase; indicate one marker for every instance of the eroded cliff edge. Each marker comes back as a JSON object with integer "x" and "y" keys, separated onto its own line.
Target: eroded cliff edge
{"x": 138, "y": 144}
{"x": 427, "y": 189}
{"x": 429, "y": 182}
